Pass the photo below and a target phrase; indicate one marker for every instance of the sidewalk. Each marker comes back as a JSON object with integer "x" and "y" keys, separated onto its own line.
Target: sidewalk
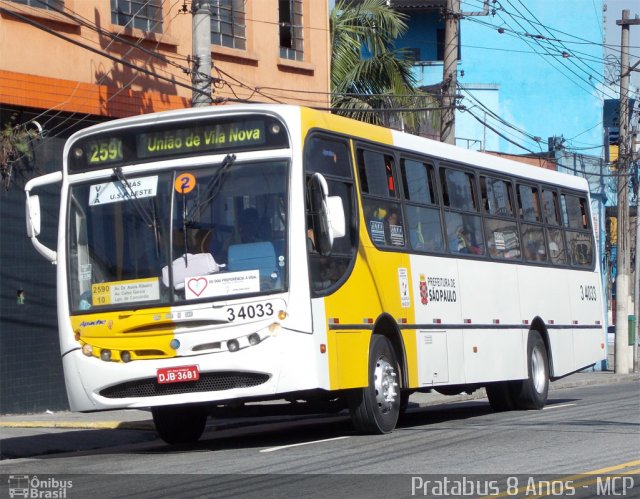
{"x": 141, "y": 420}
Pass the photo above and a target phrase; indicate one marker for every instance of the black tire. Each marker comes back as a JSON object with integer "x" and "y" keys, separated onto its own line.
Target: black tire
{"x": 375, "y": 409}
{"x": 531, "y": 393}
{"x": 179, "y": 424}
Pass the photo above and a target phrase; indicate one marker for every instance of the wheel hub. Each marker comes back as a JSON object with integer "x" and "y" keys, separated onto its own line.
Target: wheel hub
{"x": 385, "y": 385}
{"x": 537, "y": 370}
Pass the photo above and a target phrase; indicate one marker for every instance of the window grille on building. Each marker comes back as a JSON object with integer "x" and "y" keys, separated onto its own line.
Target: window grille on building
{"x": 228, "y": 23}
{"x": 43, "y": 4}
{"x": 291, "y": 40}
{"x": 141, "y": 14}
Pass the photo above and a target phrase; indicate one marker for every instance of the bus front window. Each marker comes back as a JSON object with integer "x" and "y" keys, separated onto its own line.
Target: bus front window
{"x": 118, "y": 243}
{"x": 236, "y": 219}
{"x": 207, "y": 233}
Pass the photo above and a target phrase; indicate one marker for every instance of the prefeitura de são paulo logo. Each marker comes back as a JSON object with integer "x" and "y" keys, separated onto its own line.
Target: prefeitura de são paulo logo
{"x": 32, "y": 486}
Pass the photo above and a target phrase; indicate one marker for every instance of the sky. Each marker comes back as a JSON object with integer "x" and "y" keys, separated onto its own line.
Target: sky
{"x": 548, "y": 65}
{"x": 554, "y": 64}
{"x": 613, "y": 33}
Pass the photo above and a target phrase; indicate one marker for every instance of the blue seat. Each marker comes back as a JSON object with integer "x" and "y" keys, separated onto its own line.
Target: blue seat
{"x": 253, "y": 256}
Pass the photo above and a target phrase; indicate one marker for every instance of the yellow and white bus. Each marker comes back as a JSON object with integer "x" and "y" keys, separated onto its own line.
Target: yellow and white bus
{"x": 243, "y": 253}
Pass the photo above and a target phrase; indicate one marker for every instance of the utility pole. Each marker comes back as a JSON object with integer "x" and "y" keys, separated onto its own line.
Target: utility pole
{"x": 450, "y": 72}
{"x": 450, "y": 66}
{"x": 636, "y": 291}
{"x": 622, "y": 273}
{"x": 201, "y": 42}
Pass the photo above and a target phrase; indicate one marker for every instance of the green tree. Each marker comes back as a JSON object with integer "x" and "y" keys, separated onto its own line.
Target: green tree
{"x": 16, "y": 150}
{"x": 368, "y": 72}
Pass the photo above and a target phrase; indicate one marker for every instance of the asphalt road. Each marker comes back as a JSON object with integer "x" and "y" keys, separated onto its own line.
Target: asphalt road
{"x": 583, "y": 429}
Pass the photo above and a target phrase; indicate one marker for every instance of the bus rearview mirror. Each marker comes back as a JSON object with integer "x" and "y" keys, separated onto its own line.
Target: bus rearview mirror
{"x": 33, "y": 216}
{"x": 336, "y": 216}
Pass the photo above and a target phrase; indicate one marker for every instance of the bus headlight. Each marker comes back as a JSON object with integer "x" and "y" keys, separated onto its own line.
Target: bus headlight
{"x": 105, "y": 355}
{"x": 125, "y": 356}
{"x": 87, "y": 350}
{"x": 254, "y": 339}
{"x": 233, "y": 345}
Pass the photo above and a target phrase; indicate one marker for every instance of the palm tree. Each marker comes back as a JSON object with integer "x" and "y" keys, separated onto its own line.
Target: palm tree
{"x": 367, "y": 72}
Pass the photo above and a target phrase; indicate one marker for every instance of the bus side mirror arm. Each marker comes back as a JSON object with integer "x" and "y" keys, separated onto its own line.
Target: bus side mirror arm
{"x": 32, "y": 211}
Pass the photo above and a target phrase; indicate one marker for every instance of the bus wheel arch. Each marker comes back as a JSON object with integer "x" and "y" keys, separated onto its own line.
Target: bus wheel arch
{"x": 531, "y": 393}
{"x": 387, "y": 326}
{"x": 375, "y": 408}
{"x": 540, "y": 327}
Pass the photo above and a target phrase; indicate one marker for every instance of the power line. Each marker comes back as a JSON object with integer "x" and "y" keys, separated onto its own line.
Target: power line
{"x": 72, "y": 115}
{"x": 528, "y": 38}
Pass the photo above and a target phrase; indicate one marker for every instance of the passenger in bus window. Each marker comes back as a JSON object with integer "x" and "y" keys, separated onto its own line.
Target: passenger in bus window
{"x": 376, "y": 223}
{"x": 556, "y": 247}
{"x": 467, "y": 242}
{"x": 394, "y": 232}
{"x": 533, "y": 245}
{"x": 311, "y": 240}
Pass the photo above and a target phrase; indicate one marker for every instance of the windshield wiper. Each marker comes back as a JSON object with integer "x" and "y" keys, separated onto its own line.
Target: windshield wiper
{"x": 212, "y": 188}
{"x": 149, "y": 219}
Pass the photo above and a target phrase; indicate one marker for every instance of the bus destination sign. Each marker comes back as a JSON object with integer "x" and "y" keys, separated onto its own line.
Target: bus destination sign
{"x": 201, "y": 138}
{"x": 176, "y": 139}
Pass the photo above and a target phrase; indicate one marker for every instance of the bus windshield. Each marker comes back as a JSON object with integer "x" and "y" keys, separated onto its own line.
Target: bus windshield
{"x": 169, "y": 237}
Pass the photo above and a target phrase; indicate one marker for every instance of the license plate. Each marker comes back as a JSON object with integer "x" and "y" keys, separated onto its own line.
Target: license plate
{"x": 178, "y": 374}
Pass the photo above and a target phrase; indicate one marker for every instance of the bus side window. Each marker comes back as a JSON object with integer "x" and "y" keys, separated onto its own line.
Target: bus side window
{"x": 458, "y": 189}
{"x": 576, "y": 222}
{"x": 462, "y": 221}
{"x": 551, "y": 208}
{"x": 528, "y": 203}
{"x": 383, "y": 214}
{"x": 424, "y": 221}
{"x": 331, "y": 158}
{"x": 503, "y": 241}
{"x": 376, "y": 172}
{"x": 534, "y": 248}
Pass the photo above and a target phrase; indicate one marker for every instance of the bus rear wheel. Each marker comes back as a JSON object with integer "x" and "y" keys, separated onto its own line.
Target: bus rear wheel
{"x": 375, "y": 409}
{"x": 179, "y": 424}
{"x": 531, "y": 393}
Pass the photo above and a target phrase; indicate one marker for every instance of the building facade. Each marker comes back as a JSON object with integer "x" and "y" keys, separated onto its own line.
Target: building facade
{"x": 68, "y": 64}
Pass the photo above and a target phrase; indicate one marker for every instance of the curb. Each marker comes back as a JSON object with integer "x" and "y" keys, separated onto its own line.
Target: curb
{"x": 81, "y": 425}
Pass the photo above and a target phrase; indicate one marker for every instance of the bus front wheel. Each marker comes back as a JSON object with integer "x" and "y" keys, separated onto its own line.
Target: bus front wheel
{"x": 179, "y": 424}
{"x": 375, "y": 408}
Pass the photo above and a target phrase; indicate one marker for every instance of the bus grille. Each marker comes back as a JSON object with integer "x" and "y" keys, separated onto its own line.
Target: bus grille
{"x": 208, "y": 382}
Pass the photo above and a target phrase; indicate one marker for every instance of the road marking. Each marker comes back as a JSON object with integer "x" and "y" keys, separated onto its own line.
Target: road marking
{"x": 582, "y": 480}
{"x": 272, "y": 449}
{"x": 559, "y": 406}
{"x": 612, "y": 468}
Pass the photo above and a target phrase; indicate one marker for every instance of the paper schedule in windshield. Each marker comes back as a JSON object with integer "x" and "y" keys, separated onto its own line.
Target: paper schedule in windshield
{"x": 136, "y": 290}
{"x": 114, "y": 192}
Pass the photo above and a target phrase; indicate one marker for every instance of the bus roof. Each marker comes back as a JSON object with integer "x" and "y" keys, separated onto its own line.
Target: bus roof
{"x": 406, "y": 141}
